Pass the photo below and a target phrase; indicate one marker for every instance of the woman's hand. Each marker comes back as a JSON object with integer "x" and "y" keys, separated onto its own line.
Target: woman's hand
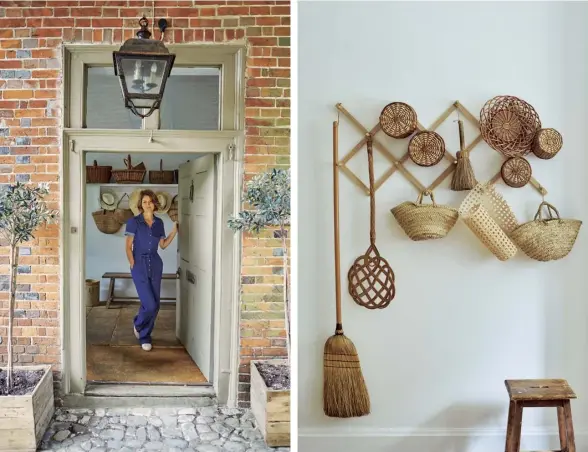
{"x": 132, "y": 263}
{"x": 176, "y": 227}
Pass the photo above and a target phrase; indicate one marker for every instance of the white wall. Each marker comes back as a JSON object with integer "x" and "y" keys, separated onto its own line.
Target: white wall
{"x": 106, "y": 252}
{"x": 462, "y": 322}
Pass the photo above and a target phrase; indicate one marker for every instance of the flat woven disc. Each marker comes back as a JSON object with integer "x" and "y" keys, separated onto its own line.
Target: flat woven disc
{"x": 516, "y": 172}
{"x": 398, "y": 120}
{"x": 426, "y": 148}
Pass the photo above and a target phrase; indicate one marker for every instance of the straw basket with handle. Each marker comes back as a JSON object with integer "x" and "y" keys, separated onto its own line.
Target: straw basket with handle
{"x": 106, "y": 221}
{"x": 425, "y": 221}
{"x": 162, "y": 176}
{"x": 547, "y": 239}
{"x": 96, "y": 174}
{"x": 129, "y": 175}
{"x": 491, "y": 219}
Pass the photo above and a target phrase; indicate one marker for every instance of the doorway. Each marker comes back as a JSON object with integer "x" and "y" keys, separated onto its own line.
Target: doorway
{"x": 185, "y": 186}
{"x": 214, "y": 175}
{"x": 95, "y": 124}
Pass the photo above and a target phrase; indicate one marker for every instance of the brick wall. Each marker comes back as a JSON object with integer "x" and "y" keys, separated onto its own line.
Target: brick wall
{"x": 31, "y": 35}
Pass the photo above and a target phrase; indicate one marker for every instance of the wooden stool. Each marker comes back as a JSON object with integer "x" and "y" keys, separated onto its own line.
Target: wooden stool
{"x": 539, "y": 393}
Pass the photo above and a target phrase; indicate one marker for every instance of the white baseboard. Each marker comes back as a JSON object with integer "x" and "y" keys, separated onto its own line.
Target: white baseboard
{"x": 427, "y": 440}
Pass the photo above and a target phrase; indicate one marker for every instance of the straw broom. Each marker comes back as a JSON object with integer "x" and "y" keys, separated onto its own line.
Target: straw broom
{"x": 344, "y": 391}
{"x": 463, "y": 176}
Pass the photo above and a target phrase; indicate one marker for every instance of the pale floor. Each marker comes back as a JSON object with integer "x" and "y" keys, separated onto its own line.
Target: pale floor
{"x": 114, "y": 355}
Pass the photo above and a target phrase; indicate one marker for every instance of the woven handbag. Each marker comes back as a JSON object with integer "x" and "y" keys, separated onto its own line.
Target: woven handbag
{"x": 425, "y": 221}
{"x": 547, "y": 239}
{"x": 491, "y": 219}
{"x": 106, "y": 221}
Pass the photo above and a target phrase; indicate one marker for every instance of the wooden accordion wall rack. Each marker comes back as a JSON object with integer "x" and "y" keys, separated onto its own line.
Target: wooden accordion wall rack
{"x": 398, "y": 165}
{"x": 509, "y": 126}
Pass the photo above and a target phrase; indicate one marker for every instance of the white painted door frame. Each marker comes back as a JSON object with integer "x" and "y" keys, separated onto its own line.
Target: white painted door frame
{"x": 228, "y": 146}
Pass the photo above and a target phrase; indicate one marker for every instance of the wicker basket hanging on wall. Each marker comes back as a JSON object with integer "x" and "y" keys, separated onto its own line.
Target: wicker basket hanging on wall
{"x": 509, "y": 125}
{"x": 547, "y": 239}
{"x": 398, "y": 120}
{"x": 547, "y": 143}
{"x": 426, "y": 148}
{"x": 516, "y": 172}
{"x": 106, "y": 221}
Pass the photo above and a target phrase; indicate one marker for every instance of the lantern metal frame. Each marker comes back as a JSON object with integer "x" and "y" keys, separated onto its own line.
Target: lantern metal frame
{"x": 146, "y": 49}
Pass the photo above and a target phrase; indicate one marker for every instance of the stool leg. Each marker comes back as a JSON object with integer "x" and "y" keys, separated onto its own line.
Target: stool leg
{"x": 569, "y": 426}
{"x": 110, "y": 293}
{"x": 513, "y": 429}
{"x": 561, "y": 424}
{"x": 518, "y": 421}
{"x": 509, "y": 426}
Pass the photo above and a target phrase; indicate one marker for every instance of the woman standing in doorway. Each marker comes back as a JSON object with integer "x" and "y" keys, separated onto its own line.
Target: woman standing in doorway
{"x": 145, "y": 232}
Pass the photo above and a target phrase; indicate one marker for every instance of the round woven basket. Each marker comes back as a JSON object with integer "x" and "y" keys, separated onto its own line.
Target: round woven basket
{"x": 547, "y": 239}
{"x": 426, "y": 148}
{"x": 106, "y": 221}
{"x": 516, "y": 172}
{"x": 425, "y": 221}
{"x": 547, "y": 143}
{"x": 509, "y": 125}
{"x": 398, "y": 120}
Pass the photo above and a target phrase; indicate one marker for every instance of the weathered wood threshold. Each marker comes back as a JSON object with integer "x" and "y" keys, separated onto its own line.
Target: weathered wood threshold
{"x": 149, "y": 390}
{"x": 144, "y": 383}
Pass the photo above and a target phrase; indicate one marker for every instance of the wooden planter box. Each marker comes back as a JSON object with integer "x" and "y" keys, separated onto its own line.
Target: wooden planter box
{"x": 271, "y": 408}
{"x": 24, "y": 419}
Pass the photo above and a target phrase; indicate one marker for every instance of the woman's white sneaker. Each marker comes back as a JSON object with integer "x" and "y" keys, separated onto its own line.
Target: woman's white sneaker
{"x": 146, "y": 347}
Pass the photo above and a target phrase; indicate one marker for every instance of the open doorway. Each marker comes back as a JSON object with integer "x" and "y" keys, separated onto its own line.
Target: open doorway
{"x": 185, "y": 186}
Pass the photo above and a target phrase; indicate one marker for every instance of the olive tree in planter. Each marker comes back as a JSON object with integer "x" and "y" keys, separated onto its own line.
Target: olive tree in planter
{"x": 267, "y": 199}
{"x": 26, "y": 393}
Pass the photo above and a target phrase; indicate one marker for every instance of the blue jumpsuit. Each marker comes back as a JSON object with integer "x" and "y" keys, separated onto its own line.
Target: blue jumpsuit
{"x": 146, "y": 272}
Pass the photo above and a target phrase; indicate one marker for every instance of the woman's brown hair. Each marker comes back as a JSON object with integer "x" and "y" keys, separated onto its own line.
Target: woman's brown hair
{"x": 153, "y": 198}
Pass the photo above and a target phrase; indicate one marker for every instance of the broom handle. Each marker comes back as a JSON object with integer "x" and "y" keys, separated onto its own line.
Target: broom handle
{"x": 461, "y": 136}
{"x": 339, "y": 327}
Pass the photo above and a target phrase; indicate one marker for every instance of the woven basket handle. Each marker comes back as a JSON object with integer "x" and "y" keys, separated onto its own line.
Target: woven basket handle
{"x": 128, "y": 162}
{"x": 550, "y": 210}
{"x": 121, "y": 198}
{"x": 426, "y": 193}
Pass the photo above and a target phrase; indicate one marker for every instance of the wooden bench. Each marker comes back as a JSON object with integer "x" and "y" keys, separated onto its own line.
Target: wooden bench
{"x": 540, "y": 393}
{"x": 114, "y": 276}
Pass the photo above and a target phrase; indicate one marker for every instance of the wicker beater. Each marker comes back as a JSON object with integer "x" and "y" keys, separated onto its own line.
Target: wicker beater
{"x": 370, "y": 278}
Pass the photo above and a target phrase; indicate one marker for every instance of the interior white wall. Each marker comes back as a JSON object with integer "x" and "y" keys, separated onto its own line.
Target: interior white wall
{"x": 462, "y": 322}
{"x": 106, "y": 252}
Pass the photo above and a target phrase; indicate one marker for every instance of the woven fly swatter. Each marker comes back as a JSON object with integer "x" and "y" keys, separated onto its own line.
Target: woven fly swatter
{"x": 370, "y": 278}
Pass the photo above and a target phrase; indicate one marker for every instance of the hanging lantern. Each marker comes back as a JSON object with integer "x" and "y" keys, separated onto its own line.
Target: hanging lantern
{"x": 143, "y": 66}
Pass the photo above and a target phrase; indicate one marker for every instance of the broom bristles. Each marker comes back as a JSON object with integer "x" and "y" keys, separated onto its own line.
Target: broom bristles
{"x": 344, "y": 390}
{"x": 463, "y": 176}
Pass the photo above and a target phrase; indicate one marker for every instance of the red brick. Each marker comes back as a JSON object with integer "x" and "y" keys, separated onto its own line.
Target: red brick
{"x": 11, "y": 44}
{"x": 258, "y": 22}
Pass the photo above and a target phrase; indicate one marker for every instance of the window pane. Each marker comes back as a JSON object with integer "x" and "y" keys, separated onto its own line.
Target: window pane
{"x": 105, "y": 107}
{"x": 191, "y": 100}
